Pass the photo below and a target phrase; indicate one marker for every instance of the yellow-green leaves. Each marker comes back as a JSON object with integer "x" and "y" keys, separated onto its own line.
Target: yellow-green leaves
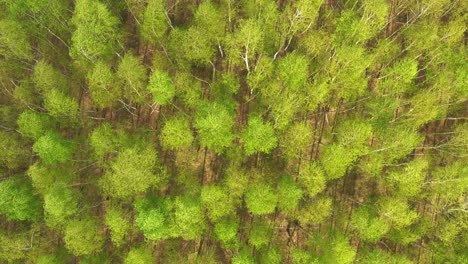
{"x": 132, "y": 173}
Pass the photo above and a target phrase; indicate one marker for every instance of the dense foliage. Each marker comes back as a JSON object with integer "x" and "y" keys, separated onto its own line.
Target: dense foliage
{"x": 221, "y": 131}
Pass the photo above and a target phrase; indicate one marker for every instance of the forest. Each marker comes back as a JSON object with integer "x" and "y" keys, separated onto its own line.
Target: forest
{"x": 233, "y": 131}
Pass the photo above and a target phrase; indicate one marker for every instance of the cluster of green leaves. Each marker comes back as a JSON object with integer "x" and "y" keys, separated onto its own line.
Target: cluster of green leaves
{"x": 253, "y": 131}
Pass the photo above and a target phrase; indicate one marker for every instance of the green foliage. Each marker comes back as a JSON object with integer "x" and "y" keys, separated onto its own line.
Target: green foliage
{"x": 102, "y": 140}
{"x": 52, "y": 148}
{"x": 243, "y": 257}
{"x": 96, "y": 34}
{"x": 348, "y": 69}
{"x": 253, "y": 131}
{"x": 13, "y": 155}
{"x": 46, "y": 78}
{"x": 18, "y": 201}
{"x": 14, "y": 42}
{"x": 449, "y": 182}
{"x": 226, "y": 230}
{"x": 11, "y": 247}
{"x": 101, "y": 84}
{"x": 49, "y": 259}
{"x": 335, "y": 160}
{"x": 61, "y": 106}
{"x": 302, "y": 257}
{"x": 188, "y": 217}
{"x": 260, "y": 233}
{"x": 83, "y": 237}
{"x": 152, "y": 222}
{"x": 354, "y": 135}
{"x": 340, "y": 251}
{"x": 176, "y": 134}
{"x": 350, "y": 30}
{"x": 132, "y": 173}
{"x": 399, "y": 77}
{"x": 214, "y": 124}
{"x": 139, "y": 255}
{"x": 315, "y": 212}
{"x": 132, "y": 78}
{"x": 154, "y": 24}
{"x": 245, "y": 43}
{"x": 293, "y": 71}
{"x": 396, "y": 212}
{"x": 271, "y": 256}
{"x": 33, "y": 125}
{"x": 312, "y": 179}
{"x": 44, "y": 176}
{"x": 161, "y": 87}
{"x": 296, "y": 140}
{"x": 217, "y": 202}
{"x": 370, "y": 227}
{"x": 59, "y": 204}
{"x": 261, "y": 199}
{"x": 118, "y": 225}
{"x": 377, "y": 256}
{"x": 258, "y": 136}
{"x": 410, "y": 180}
{"x": 289, "y": 194}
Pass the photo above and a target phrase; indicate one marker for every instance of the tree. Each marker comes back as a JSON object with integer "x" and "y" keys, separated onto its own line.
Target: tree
{"x": 260, "y": 233}
{"x": 61, "y": 106}
{"x": 139, "y": 255}
{"x": 133, "y": 172}
{"x": 34, "y": 125}
{"x": 46, "y": 78}
{"x": 312, "y": 179}
{"x": 101, "y": 84}
{"x": 132, "y": 78}
{"x": 154, "y": 24}
{"x": 409, "y": 181}
{"x": 289, "y": 194}
{"x": 350, "y": 30}
{"x": 52, "y": 148}
{"x": 161, "y": 87}
{"x": 335, "y": 160}
{"x": 245, "y": 43}
{"x": 60, "y": 203}
{"x": 315, "y": 211}
{"x": 83, "y": 237}
{"x": 98, "y": 41}
{"x": 43, "y": 176}
{"x": 261, "y": 199}
{"x": 14, "y": 42}
{"x": 348, "y": 70}
{"x": 296, "y": 140}
{"x": 396, "y": 212}
{"x": 176, "y": 134}
{"x": 293, "y": 70}
{"x": 18, "y": 201}
{"x": 378, "y": 256}
{"x": 103, "y": 140}
{"x": 188, "y": 217}
{"x": 258, "y": 136}
{"x": 226, "y": 231}
{"x": 153, "y": 218}
{"x": 13, "y": 154}
{"x": 214, "y": 124}
{"x": 217, "y": 202}
{"x": 399, "y": 77}
{"x": 354, "y": 134}
{"x": 118, "y": 225}
{"x": 243, "y": 257}
{"x": 370, "y": 227}
{"x": 340, "y": 251}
